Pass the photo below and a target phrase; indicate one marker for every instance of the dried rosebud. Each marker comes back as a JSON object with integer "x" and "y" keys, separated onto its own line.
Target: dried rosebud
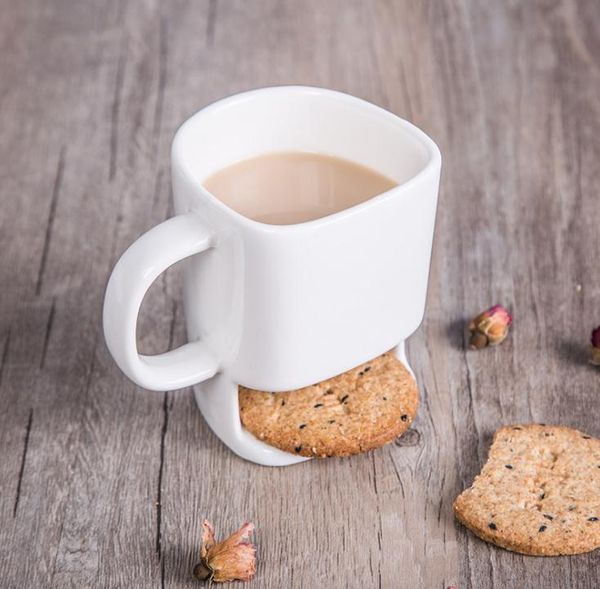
{"x": 595, "y": 359}
{"x": 489, "y": 328}
{"x": 229, "y": 560}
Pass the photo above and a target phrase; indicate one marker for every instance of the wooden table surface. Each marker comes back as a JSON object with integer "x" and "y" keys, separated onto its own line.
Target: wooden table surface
{"x": 103, "y": 484}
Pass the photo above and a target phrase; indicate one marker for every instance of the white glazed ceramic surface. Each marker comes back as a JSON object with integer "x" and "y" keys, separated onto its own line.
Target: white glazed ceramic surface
{"x": 278, "y": 307}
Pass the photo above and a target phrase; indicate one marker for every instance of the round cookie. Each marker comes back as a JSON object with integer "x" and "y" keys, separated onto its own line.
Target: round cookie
{"x": 538, "y": 493}
{"x": 354, "y": 412}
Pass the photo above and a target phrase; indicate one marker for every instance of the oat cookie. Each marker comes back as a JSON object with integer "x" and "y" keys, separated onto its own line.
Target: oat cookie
{"x": 538, "y": 492}
{"x": 354, "y": 412}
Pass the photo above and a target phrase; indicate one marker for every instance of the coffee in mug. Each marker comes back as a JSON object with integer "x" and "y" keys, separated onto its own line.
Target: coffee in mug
{"x": 283, "y": 188}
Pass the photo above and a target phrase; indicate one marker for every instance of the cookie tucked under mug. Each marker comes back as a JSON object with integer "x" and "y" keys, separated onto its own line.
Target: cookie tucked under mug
{"x": 280, "y": 307}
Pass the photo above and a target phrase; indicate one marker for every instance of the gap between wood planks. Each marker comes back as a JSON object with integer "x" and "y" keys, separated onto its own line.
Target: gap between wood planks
{"x": 50, "y": 224}
{"x": 163, "y": 434}
{"x": 23, "y": 460}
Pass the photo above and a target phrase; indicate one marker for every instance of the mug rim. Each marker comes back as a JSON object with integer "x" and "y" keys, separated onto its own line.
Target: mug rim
{"x": 177, "y": 158}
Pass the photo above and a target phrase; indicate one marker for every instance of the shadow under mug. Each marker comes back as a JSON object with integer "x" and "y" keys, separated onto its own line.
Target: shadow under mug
{"x": 279, "y": 307}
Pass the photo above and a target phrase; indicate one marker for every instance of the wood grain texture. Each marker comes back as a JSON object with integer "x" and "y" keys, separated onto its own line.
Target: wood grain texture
{"x": 105, "y": 485}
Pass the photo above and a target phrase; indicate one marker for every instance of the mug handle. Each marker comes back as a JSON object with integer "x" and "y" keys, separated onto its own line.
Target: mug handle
{"x": 149, "y": 256}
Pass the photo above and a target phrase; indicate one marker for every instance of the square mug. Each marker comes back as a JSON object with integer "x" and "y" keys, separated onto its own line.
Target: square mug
{"x": 279, "y": 307}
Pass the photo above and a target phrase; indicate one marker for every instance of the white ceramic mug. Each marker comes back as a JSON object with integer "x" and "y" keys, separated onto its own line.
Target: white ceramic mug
{"x": 278, "y": 307}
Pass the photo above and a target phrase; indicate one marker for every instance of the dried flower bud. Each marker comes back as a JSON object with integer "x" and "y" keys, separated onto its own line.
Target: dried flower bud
{"x": 229, "y": 560}
{"x": 489, "y": 328}
{"x": 595, "y": 359}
